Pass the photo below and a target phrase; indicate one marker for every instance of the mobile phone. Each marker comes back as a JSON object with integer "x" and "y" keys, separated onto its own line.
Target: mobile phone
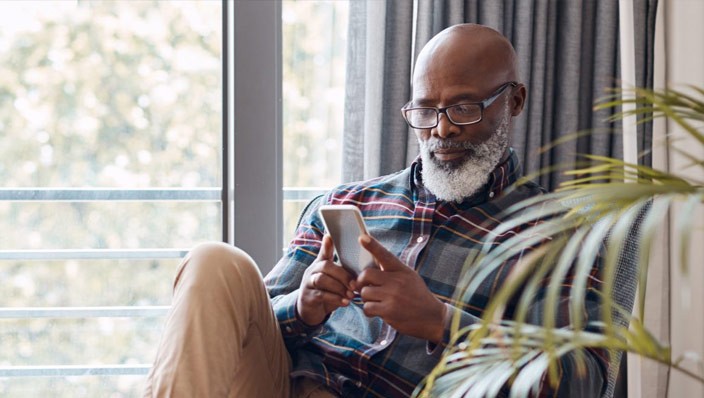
{"x": 345, "y": 224}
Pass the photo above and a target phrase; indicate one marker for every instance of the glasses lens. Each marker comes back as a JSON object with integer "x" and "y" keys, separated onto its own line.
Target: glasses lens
{"x": 422, "y": 118}
{"x": 465, "y": 113}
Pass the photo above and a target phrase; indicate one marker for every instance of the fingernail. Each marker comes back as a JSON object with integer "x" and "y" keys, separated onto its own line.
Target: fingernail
{"x": 353, "y": 285}
{"x": 345, "y": 301}
{"x": 365, "y": 239}
{"x": 350, "y": 294}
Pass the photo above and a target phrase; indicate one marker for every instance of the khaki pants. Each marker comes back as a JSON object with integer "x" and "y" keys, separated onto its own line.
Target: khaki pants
{"x": 221, "y": 338}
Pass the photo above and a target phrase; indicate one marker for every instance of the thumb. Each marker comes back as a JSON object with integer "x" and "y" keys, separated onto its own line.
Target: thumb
{"x": 387, "y": 261}
{"x": 326, "y": 248}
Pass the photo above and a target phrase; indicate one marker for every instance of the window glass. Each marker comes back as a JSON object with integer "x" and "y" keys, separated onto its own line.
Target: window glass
{"x": 113, "y": 99}
{"x": 110, "y": 94}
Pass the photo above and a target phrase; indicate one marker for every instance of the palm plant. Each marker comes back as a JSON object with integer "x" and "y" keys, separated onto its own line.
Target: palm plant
{"x": 592, "y": 216}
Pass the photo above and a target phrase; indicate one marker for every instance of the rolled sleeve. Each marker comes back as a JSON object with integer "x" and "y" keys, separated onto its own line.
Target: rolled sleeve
{"x": 465, "y": 319}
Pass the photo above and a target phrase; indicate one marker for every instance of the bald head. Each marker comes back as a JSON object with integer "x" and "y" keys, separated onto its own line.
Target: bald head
{"x": 474, "y": 54}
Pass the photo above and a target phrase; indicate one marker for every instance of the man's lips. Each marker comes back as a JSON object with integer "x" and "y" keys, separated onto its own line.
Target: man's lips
{"x": 449, "y": 154}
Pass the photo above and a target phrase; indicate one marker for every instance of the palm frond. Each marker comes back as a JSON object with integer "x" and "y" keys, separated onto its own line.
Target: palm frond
{"x": 676, "y": 105}
{"x": 497, "y": 364}
{"x": 562, "y": 235}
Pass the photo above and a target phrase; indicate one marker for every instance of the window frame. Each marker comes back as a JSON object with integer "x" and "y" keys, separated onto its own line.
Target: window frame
{"x": 253, "y": 177}
{"x": 251, "y": 195}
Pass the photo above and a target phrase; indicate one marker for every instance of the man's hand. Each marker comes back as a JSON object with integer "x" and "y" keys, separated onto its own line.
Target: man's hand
{"x": 324, "y": 288}
{"x": 398, "y": 295}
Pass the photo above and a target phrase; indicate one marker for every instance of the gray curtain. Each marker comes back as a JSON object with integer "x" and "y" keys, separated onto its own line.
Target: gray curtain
{"x": 376, "y": 138}
{"x": 569, "y": 56}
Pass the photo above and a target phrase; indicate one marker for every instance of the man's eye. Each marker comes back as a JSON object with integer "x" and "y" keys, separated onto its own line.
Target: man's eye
{"x": 464, "y": 109}
{"x": 425, "y": 113}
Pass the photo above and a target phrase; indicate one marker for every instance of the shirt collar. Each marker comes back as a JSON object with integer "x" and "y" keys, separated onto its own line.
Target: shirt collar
{"x": 504, "y": 175}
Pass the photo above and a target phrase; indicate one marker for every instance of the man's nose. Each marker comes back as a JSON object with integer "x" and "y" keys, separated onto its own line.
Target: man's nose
{"x": 445, "y": 127}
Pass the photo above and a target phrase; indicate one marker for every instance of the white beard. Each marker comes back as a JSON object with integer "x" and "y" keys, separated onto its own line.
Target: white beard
{"x": 456, "y": 183}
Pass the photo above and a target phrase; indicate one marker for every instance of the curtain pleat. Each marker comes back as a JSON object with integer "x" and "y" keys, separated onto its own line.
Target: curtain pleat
{"x": 376, "y": 139}
{"x": 355, "y": 88}
{"x": 644, "y": 14}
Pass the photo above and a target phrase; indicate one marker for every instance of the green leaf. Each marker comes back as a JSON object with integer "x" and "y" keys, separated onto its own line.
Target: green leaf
{"x": 560, "y": 237}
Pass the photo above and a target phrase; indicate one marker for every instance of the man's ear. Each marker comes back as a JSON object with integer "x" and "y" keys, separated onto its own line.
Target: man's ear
{"x": 518, "y": 100}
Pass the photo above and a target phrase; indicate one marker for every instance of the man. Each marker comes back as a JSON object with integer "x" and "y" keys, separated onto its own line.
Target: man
{"x": 314, "y": 330}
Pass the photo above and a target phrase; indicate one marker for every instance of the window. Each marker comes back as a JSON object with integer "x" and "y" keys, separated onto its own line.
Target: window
{"x": 113, "y": 162}
{"x": 108, "y": 172}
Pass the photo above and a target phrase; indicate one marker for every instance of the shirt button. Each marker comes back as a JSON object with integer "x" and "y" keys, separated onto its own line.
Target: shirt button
{"x": 420, "y": 239}
{"x": 491, "y": 194}
{"x": 358, "y": 384}
{"x": 383, "y": 342}
{"x": 288, "y": 329}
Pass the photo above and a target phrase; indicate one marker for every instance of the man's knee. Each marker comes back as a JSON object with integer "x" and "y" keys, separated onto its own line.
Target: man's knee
{"x": 215, "y": 262}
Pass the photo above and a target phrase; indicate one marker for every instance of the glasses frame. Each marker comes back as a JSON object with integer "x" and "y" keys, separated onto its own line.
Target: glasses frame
{"x": 482, "y": 105}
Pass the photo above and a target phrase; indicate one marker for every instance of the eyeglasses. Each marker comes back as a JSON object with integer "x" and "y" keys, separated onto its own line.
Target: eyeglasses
{"x": 426, "y": 117}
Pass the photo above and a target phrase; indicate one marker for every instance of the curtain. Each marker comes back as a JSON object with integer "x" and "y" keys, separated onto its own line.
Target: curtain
{"x": 376, "y": 139}
{"x": 568, "y": 54}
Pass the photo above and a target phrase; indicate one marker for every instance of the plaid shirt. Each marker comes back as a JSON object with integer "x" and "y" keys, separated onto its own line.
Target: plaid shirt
{"x": 359, "y": 356}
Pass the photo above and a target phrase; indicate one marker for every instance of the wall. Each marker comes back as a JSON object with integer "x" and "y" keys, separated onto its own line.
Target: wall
{"x": 674, "y": 309}
{"x": 685, "y": 65}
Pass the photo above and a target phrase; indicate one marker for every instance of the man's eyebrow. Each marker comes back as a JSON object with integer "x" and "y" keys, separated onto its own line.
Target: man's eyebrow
{"x": 462, "y": 98}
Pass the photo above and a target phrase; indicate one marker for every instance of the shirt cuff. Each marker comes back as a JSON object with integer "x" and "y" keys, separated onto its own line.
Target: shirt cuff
{"x": 290, "y": 323}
